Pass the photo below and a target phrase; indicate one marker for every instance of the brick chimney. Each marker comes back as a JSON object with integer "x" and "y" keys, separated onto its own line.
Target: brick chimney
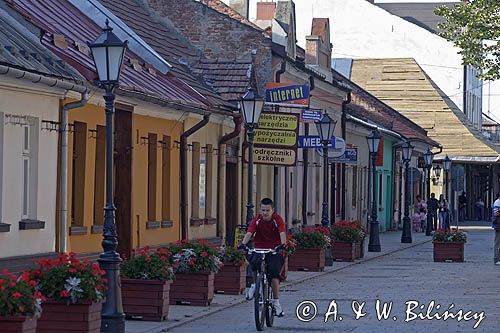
{"x": 265, "y": 10}
{"x": 318, "y": 47}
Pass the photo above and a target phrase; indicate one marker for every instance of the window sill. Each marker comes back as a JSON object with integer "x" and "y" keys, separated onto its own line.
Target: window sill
{"x": 77, "y": 231}
{"x": 167, "y": 224}
{"x": 31, "y": 224}
{"x": 210, "y": 220}
{"x": 96, "y": 229}
{"x": 153, "y": 225}
{"x": 4, "y": 227}
{"x": 196, "y": 222}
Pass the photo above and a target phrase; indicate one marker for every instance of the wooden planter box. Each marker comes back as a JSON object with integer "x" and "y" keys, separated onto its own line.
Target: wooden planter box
{"x": 449, "y": 251}
{"x": 307, "y": 260}
{"x": 192, "y": 289}
{"x": 344, "y": 251}
{"x": 231, "y": 279}
{"x": 359, "y": 249}
{"x": 61, "y": 317}
{"x": 17, "y": 324}
{"x": 145, "y": 299}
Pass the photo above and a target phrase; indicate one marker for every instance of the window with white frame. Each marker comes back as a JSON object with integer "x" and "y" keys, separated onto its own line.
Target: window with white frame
{"x": 29, "y": 173}
{"x": 26, "y": 171}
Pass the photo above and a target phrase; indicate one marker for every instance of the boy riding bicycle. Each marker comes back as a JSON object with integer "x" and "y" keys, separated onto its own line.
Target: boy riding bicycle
{"x": 270, "y": 233}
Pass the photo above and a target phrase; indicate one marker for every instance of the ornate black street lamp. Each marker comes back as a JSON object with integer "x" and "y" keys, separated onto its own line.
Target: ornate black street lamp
{"x": 251, "y": 105}
{"x": 373, "y": 140}
{"x": 446, "y": 168}
{"x": 325, "y": 128}
{"x": 437, "y": 171}
{"x": 407, "y": 151}
{"x": 428, "y": 157}
{"x": 108, "y": 51}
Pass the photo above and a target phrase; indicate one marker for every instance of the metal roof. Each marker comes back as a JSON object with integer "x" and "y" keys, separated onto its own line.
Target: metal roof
{"x": 21, "y": 49}
{"x": 67, "y": 31}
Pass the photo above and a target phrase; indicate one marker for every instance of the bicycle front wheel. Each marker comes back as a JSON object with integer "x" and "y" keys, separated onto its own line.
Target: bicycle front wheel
{"x": 269, "y": 307}
{"x": 260, "y": 301}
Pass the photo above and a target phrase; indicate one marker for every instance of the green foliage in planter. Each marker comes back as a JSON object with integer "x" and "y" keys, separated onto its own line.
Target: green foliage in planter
{"x": 230, "y": 255}
{"x": 147, "y": 264}
{"x": 18, "y": 296}
{"x": 312, "y": 238}
{"x": 69, "y": 279}
{"x": 347, "y": 231}
{"x": 449, "y": 235}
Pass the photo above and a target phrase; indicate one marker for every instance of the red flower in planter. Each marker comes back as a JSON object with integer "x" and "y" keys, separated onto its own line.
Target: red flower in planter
{"x": 18, "y": 296}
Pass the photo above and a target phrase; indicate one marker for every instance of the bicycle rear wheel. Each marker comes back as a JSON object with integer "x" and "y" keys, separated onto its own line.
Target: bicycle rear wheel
{"x": 260, "y": 301}
{"x": 269, "y": 307}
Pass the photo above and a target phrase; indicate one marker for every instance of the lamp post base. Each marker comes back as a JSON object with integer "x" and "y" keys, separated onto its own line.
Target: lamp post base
{"x": 406, "y": 236}
{"x": 428, "y": 228}
{"x": 374, "y": 242}
{"x": 113, "y": 318}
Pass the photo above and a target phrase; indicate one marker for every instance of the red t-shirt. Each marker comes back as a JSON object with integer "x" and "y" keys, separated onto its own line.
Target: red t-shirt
{"x": 267, "y": 233}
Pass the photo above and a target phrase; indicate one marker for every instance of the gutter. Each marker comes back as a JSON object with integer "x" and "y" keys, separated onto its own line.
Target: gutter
{"x": 64, "y": 165}
{"x": 184, "y": 189}
{"x": 369, "y": 125}
{"x": 42, "y": 79}
{"x": 343, "y": 122}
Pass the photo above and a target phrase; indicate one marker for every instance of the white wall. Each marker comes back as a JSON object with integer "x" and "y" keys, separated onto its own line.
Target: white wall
{"x": 40, "y": 106}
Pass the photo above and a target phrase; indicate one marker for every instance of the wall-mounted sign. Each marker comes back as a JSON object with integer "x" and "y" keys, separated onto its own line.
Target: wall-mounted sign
{"x": 350, "y": 156}
{"x": 287, "y": 95}
{"x": 312, "y": 141}
{"x": 278, "y": 121}
{"x": 275, "y": 138}
{"x": 311, "y": 116}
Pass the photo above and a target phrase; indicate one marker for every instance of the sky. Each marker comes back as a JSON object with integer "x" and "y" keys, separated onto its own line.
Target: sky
{"x": 391, "y": 1}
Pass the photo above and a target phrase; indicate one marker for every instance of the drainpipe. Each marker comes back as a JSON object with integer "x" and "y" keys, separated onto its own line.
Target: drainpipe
{"x": 343, "y": 127}
{"x": 64, "y": 165}
{"x": 305, "y": 162}
{"x": 238, "y": 120}
{"x": 276, "y": 169}
{"x": 184, "y": 189}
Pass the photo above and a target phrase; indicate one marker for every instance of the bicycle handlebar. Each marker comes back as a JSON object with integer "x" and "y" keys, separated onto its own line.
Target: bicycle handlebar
{"x": 262, "y": 251}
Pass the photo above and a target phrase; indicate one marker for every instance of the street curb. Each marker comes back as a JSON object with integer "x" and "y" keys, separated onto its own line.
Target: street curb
{"x": 288, "y": 284}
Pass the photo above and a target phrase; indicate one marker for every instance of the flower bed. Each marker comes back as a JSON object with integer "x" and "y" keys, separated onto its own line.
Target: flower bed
{"x": 449, "y": 245}
{"x": 231, "y": 278}
{"x": 145, "y": 280}
{"x": 19, "y": 303}
{"x": 194, "y": 265}
{"x": 309, "y": 251}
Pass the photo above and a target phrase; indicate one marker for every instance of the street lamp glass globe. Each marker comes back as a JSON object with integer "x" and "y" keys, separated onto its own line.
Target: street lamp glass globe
{"x": 107, "y": 52}
{"x": 373, "y": 140}
{"x": 407, "y": 151}
{"x": 446, "y": 163}
{"x": 437, "y": 171}
{"x": 251, "y": 105}
{"x": 428, "y": 157}
{"x": 325, "y": 127}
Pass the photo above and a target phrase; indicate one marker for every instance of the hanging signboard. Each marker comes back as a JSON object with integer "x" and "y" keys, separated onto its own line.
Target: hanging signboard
{"x": 275, "y": 139}
{"x": 239, "y": 232}
{"x": 311, "y": 116}
{"x": 287, "y": 95}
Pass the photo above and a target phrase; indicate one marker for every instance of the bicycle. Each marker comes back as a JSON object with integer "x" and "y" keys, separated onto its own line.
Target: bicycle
{"x": 263, "y": 293}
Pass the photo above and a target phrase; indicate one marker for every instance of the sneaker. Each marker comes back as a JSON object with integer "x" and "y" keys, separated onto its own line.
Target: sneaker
{"x": 497, "y": 263}
{"x": 250, "y": 292}
{"x": 278, "y": 310}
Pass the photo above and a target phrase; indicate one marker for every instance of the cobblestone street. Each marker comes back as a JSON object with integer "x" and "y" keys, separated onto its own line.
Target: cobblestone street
{"x": 403, "y": 276}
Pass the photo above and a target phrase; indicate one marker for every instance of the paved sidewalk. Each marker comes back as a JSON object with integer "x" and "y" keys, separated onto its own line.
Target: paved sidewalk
{"x": 181, "y": 314}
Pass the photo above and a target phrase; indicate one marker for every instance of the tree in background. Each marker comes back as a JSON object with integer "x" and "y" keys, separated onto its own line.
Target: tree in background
{"x": 474, "y": 27}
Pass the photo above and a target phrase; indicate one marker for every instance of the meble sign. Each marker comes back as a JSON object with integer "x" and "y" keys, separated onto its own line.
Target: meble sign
{"x": 313, "y": 141}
